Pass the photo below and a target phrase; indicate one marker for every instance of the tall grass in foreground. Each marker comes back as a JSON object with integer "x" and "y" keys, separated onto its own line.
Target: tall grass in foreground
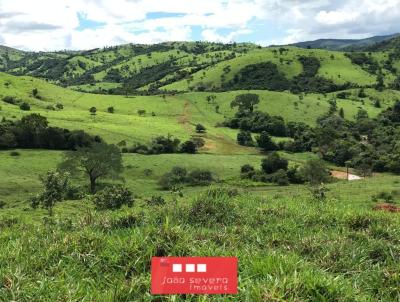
{"x": 289, "y": 249}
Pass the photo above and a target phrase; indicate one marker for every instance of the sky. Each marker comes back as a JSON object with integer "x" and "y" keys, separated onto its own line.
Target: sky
{"x": 44, "y": 25}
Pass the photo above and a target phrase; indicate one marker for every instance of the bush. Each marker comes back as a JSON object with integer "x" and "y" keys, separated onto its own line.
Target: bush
{"x": 244, "y": 138}
{"x": 175, "y": 177}
{"x": 199, "y": 177}
{"x": 215, "y": 206}
{"x": 14, "y": 153}
{"x": 247, "y": 171}
{"x": 110, "y": 109}
{"x": 10, "y": 100}
{"x": 200, "y": 128}
{"x": 280, "y": 178}
{"x": 2, "y": 204}
{"x": 156, "y": 201}
{"x": 273, "y": 163}
{"x": 315, "y": 172}
{"x": 112, "y": 198}
{"x": 59, "y": 106}
{"x": 25, "y": 106}
{"x": 384, "y": 196}
{"x": 189, "y": 147}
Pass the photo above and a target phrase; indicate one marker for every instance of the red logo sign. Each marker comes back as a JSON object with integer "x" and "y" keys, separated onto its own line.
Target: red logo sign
{"x": 194, "y": 275}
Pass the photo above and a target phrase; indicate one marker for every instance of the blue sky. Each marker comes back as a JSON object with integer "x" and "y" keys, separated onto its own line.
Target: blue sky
{"x": 79, "y": 24}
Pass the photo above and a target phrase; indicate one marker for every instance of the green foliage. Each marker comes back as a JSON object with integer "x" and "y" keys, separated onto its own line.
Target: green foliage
{"x": 245, "y": 102}
{"x": 244, "y": 138}
{"x": 265, "y": 142}
{"x": 55, "y": 185}
{"x": 112, "y": 198}
{"x": 273, "y": 162}
{"x": 315, "y": 172}
{"x": 259, "y": 76}
{"x": 98, "y": 161}
{"x": 200, "y": 128}
{"x": 25, "y": 106}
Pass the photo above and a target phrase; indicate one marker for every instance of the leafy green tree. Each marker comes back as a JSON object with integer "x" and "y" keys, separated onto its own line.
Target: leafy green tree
{"x": 55, "y": 185}
{"x": 110, "y": 109}
{"x": 98, "y": 161}
{"x": 245, "y": 102}
{"x": 265, "y": 142}
{"x": 273, "y": 162}
{"x": 189, "y": 147}
{"x": 315, "y": 172}
{"x": 244, "y": 138}
{"x": 361, "y": 114}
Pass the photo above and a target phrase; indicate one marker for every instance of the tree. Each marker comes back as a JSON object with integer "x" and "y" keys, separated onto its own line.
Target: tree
{"x": 273, "y": 163}
{"x": 361, "y": 114}
{"x": 361, "y": 93}
{"x": 141, "y": 112}
{"x": 377, "y": 104}
{"x": 98, "y": 161}
{"x": 245, "y": 102}
{"x": 341, "y": 112}
{"x": 265, "y": 142}
{"x": 25, "y": 106}
{"x": 93, "y": 110}
{"x": 189, "y": 147}
{"x": 55, "y": 186}
{"x": 110, "y": 109}
{"x": 200, "y": 128}
{"x": 244, "y": 138}
{"x": 315, "y": 172}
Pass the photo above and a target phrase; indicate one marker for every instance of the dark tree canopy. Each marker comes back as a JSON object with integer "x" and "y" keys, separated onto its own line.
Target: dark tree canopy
{"x": 100, "y": 160}
{"x": 245, "y": 102}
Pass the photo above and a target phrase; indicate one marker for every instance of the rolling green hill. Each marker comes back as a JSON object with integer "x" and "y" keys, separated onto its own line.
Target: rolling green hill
{"x": 192, "y": 66}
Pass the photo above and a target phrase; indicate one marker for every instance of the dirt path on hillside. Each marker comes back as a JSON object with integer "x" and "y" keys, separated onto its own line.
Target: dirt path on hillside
{"x": 184, "y": 118}
{"x": 343, "y": 175}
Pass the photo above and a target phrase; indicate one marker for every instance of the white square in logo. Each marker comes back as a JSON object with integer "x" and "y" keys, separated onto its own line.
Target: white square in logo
{"x": 177, "y": 268}
{"x": 190, "y": 268}
{"x": 201, "y": 268}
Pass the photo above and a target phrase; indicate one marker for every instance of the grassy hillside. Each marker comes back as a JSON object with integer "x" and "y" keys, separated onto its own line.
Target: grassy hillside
{"x": 174, "y": 114}
{"x": 184, "y": 66}
{"x": 296, "y": 240}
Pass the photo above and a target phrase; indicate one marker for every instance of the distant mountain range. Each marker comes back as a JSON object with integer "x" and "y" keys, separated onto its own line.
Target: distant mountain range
{"x": 345, "y": 44}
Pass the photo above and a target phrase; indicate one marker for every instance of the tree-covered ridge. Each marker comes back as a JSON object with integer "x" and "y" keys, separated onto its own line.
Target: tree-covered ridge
{"x": 203, "y": 66}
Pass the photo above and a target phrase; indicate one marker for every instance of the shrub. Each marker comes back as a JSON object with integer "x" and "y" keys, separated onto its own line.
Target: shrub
{"x": 156, "y": 201}
{"x": 247, "y": 171}
{"x": 265, "y": 142}
{"x": 2, "y": 204}
{"x": 244, "y": 138}
{"x": 25, "y": 106}
{"x": 93, "y": 110}
{"x": 59, "y": 106}
{"x": 199, "y": 177}
{"x": 273, "y": 163}
{"x": 10, "y": 100}
{"x": 14, "y": 153}
{"x": 55, "y": 185}
{"x": 50, "y": 107}
{"x": 112, "y": 198}
{"x": 110, "y": 109}
{"x": 215, "y": 206}
{"x": 280, "y": 178}
{"x": 200, "y": 128}
{"x": 189, "y": 147}
{"x": 315, "y": 172}
{"x": 175, "y": 177}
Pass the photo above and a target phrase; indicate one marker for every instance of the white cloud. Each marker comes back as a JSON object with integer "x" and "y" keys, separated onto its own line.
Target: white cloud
{"x": 54, "y": 24}
{"x": 49, "y": 24}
